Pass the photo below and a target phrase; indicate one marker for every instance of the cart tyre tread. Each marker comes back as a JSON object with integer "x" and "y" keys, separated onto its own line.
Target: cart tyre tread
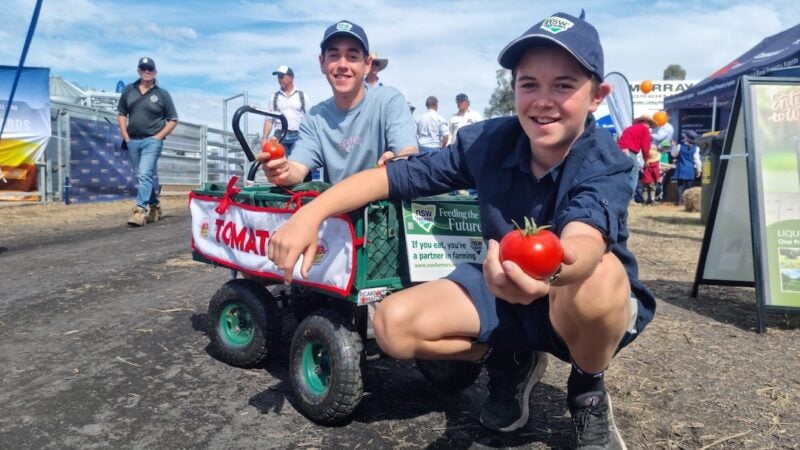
{"x": 262, "y": 321}
{"x": 325, "y": 341}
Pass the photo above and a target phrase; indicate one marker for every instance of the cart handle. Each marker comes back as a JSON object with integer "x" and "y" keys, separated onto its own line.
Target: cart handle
{"x": 237, "y": 131}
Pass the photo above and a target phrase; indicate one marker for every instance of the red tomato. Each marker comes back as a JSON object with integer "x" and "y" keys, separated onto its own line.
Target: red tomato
{"x": 273, "y": 148}
{"x": 536, "y": 251}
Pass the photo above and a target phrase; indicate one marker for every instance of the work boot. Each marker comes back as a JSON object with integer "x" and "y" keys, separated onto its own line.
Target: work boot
{"x": 138, "y": 218}
{"x": 154, "y": 213}
{"x": 508, "y": 405}
{"x": 594, "y": 424}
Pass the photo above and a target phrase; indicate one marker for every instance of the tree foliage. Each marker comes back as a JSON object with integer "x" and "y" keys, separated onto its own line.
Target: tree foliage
{"x": 502, "y": 101}
{"x": 674, "y": 72}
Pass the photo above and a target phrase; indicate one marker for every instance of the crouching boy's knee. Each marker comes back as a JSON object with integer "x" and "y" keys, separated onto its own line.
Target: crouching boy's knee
{"x": 389, "y": 331}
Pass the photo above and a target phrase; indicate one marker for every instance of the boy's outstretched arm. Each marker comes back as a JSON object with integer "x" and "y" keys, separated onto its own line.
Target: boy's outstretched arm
{"x": 298, "y": 236}
{"x": 583, "y": 249}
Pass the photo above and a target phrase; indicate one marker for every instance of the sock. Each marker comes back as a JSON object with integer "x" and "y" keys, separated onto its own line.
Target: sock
{"x": 581, "y": 382}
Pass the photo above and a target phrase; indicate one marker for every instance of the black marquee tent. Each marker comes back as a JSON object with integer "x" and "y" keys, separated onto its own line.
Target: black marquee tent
{"x": 711, "y": 99}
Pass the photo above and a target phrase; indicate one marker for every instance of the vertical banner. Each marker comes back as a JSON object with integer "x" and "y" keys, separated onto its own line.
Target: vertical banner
{"x": 620, "y": 101}
{"x": 441, "y": 235}
{"x": 774, "y": 113}
{"x": 26, "y": 133}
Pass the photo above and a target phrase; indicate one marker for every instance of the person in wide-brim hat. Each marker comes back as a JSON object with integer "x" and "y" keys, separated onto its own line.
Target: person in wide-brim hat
{"x": 378, "y": 63}
{"x": 644, "y": 118}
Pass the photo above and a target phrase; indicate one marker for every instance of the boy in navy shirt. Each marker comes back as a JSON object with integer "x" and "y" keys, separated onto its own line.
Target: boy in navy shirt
{"x": 552, "y": 164}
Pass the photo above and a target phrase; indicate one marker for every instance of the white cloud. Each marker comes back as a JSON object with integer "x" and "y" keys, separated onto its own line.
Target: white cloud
{"x": 209, "y": 50}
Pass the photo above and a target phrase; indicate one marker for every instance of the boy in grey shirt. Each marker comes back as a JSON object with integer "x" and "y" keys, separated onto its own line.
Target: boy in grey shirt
{"x": 357, "y": 128}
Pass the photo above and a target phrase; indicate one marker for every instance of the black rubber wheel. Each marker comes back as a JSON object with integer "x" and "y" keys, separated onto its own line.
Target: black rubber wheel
{"x": 325, "y": 367}
{"x": 449, "y": 376}
{"x": 244, "y": 323}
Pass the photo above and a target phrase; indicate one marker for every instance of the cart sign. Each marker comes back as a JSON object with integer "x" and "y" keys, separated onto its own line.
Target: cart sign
{"x": 759, "y": 245}
{"x": 238, "y": 237}
{"x": 439, "y": 236}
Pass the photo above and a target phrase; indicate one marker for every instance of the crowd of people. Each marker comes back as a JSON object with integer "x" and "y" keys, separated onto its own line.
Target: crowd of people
{"x": 550, "y": 163}
{"x": 658, "y": 160}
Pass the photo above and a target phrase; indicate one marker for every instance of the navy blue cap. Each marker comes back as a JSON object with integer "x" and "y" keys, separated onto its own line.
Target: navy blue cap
{"x": 348, "y": 29}
{"x": 461, "y": 97}
{"x": 573, "y": 34}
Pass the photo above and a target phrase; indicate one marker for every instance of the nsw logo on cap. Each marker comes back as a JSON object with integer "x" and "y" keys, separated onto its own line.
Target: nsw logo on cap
{"x": 344, "y": 26}
{"x": 556, "y": 25}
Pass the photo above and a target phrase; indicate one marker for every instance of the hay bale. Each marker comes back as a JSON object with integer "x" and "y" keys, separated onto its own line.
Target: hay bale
{"x": 691, "y": 198}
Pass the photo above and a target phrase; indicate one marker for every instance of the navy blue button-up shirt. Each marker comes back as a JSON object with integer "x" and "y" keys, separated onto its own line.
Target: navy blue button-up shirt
{"x": 590, "y": 185}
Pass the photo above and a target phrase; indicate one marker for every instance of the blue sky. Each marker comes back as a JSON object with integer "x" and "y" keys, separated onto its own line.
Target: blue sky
{"x": 210, "y": 50}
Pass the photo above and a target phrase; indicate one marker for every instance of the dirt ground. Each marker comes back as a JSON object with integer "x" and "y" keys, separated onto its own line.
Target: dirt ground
{"x": 103, "y": 344}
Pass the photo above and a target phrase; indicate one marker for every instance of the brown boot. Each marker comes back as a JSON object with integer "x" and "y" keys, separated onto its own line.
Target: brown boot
{"x": 154, "y": 213}
{"x": 138, "y": 218}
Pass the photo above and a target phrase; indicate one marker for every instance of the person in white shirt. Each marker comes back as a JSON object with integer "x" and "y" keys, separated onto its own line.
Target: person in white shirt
{"x": 291, "y": 103}
{"x": 432, "y": 129}
{"x": 464, "y": 116}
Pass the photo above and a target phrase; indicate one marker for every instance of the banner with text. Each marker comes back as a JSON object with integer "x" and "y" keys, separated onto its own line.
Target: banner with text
{"x": 441, "y": 235}
{"x": 27, "y": 130}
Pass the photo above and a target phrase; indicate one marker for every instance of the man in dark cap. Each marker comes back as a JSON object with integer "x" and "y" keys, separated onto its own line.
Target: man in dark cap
{"x": 146, "y": 116}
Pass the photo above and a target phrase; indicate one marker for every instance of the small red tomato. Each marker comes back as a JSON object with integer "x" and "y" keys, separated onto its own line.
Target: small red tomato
{"x": 536, "y": 251}
{"x": 273, "y": 148}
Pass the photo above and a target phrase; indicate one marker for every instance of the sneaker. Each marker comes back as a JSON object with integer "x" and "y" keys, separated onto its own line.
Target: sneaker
{"x": 593, "y": 419}
{"x": 154, "y": 213}
{"x": 138, "y": 218}
{"x": 508, "y": 405}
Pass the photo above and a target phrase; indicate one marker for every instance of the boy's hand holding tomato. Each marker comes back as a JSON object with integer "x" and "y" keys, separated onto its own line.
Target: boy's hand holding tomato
{"x": 273, "y": 160}
{"x": 273, "y": 148}
{"x": 520, "y": 267}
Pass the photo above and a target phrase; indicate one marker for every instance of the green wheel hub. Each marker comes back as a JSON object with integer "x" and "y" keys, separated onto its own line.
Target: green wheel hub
{"x": 316, "y": 367}
{"x": 237, "y": 325}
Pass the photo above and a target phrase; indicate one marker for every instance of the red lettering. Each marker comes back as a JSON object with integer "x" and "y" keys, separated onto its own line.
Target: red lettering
{"x": 239, "y": 237}
{"x": 250, "y": 247}
{"x": 263, "y": 238}
{"x": 218, "y": 223}
{"x": 227, "y": 233}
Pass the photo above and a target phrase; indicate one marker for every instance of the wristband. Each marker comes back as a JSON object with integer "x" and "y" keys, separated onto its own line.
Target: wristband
{"x": 555, "y": 276}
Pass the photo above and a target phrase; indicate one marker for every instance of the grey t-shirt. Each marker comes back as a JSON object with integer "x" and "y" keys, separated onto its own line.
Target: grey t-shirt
{"x": 346, "y": 142}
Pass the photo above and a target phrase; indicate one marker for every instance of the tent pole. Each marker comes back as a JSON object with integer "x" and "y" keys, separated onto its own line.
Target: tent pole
{"x": 714, "y": 114}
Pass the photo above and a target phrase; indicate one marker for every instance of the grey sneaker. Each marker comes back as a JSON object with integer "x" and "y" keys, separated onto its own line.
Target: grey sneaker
{"x": 154, "y": 213}
{"x": 138, "y": 218}
{"x": 508, "y": 405}
{"x": 593, "y": 419}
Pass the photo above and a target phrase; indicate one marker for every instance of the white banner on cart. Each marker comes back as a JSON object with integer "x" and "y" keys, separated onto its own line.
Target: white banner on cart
{"x": 238, "y": 239}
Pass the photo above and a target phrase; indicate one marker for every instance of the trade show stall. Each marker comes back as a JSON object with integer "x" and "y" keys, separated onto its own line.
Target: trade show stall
{"x": 706, "y": 106}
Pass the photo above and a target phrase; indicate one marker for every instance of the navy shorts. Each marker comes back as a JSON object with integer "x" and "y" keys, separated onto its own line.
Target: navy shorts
{"x": 510, "y": 327}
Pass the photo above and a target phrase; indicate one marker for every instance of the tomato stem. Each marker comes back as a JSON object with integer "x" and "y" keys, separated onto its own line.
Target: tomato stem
{"x": 530, "y": 227}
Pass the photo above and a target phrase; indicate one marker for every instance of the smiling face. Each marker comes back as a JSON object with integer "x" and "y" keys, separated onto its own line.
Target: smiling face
{"x": 553, "y": 96}
{"x": 344, "y": 63}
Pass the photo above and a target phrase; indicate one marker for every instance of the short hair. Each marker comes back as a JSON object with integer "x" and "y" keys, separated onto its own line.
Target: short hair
{"x": 431, "y": 101}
